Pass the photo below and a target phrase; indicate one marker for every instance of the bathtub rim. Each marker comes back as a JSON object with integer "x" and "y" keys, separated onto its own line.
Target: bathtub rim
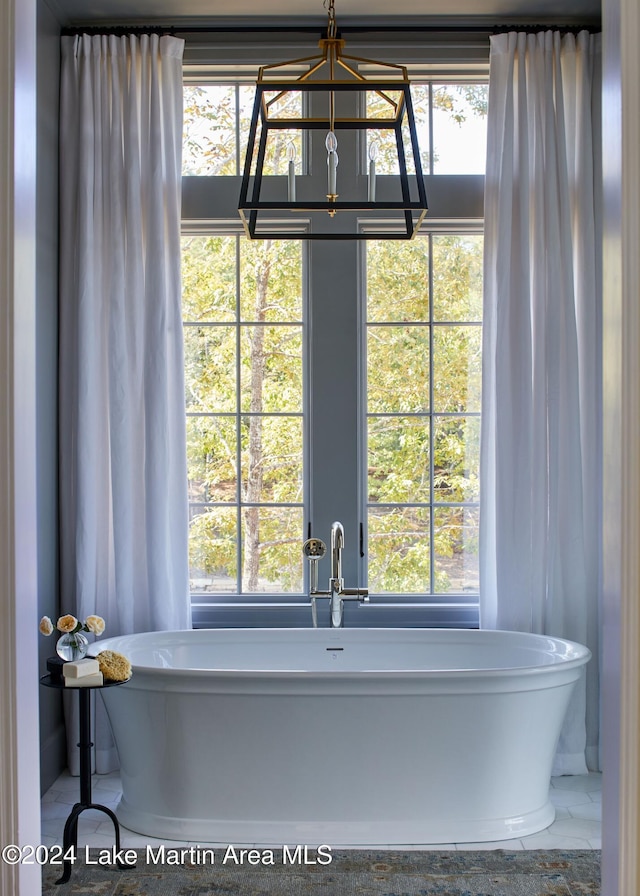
{"x": 523, "y": 677}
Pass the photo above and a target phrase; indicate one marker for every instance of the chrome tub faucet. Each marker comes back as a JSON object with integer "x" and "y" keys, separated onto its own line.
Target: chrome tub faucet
{"x": 315, "y": 549}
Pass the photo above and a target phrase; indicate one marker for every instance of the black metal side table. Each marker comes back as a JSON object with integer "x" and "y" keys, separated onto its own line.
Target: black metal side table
{"x": 85, "y": 744}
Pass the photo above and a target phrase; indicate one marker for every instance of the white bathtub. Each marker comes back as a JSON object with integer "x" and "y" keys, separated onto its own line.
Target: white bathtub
{"x": 338, "y": 737}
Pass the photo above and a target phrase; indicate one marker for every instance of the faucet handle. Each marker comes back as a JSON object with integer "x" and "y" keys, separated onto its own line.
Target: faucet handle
{"x": 362, "y": 594}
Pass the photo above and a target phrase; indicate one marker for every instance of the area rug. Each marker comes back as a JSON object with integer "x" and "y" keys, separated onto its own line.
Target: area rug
{"x": 201, "y": 871}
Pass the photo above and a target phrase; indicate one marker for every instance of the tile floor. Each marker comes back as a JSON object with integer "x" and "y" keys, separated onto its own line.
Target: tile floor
{"x": 577, "y": 826}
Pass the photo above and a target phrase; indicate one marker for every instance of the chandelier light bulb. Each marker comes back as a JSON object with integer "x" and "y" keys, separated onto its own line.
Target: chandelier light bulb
{"x": 291, "y": 174}
{"x": 331, "y": 143}
{"x": 373, "y": 155}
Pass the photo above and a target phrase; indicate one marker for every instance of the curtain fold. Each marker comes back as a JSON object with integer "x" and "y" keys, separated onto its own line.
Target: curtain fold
{"x": 123, "y": 479}
{"x": 541, "y": 424}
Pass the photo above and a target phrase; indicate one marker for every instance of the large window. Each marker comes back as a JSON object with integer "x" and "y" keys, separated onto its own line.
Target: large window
{"x": 334, "y": 380}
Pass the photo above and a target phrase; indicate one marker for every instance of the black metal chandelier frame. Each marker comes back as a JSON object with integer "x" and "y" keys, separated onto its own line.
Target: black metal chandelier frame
{"x": 260, "y": 215}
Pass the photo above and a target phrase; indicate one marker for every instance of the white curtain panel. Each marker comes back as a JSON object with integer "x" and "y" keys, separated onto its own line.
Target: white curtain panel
{"x": 541, "y": 444}
{"x": 123, "y": 480}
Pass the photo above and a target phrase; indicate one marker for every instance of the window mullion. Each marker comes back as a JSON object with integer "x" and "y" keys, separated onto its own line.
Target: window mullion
{"x": 432, "y": 553}
{"x": 239, "y": 504}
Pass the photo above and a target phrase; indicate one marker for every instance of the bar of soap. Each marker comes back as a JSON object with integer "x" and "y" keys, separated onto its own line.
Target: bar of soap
{"x": 85, "y": 681}
{"x": 80, "y": 668}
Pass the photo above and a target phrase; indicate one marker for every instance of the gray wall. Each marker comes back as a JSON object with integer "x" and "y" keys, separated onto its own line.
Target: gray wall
{"x": 52, "y": 739}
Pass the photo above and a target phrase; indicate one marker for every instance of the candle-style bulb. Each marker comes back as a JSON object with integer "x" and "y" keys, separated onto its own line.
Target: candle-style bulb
{"x": 331, "y": 142}
{"x": 291, "y": 173}
{"x": 373, "y": 155}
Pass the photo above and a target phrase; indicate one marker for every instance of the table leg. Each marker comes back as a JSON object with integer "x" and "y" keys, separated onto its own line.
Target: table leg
{"x": 70, "y": 838}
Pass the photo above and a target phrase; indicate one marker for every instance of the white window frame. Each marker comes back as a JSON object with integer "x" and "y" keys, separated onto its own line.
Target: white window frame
{"x": 333, "y": 288}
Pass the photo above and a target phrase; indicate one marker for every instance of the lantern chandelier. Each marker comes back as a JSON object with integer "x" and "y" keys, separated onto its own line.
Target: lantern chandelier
{"x": 343, "y": 139}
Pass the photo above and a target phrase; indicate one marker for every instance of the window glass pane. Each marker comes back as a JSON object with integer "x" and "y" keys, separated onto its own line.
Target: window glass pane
{"x": 211, "y": 459}
{"x": 386, "y": 151}
{"x": 209, "y": 130}
{"x": 287, "y": 105}
{"x": 457, "y": 277}
{"x": 210, "y": 372}
{"x": 385, "y": 138}
{"x": 276, "y": 156}
{"x": 208, "y": 278}
{"x": 271, "y": 554}
{"x": 457, "y": 368}
{"x": 213, "y": 539}
{"x": 459, "y": 128}
{"x": 397, "y": 369}
{"x": 246, "y": 97}
{"x": 271, "y": 280}
{"x": 271, "y": 369}
{"x": 398, "y": 550}
{"x": 420, "y": 102}
{"x": 456, "y": 458}
{"x": 216, "y": 124}
{"x": 398, "y": 459}
{"x": 279, "y": 140}
{"x": 398, "y": 280}
{"x": 272, "y": 459}
{"x": 455, "y": 534}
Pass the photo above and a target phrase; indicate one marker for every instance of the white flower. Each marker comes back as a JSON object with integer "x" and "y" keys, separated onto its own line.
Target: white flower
{"x": 46, "y": 626}
{"x": 94, "y": 624}
{"x": 67, "y": 623}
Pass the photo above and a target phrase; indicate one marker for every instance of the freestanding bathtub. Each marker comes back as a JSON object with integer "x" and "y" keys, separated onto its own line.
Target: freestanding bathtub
{"x": 340, "y": 737}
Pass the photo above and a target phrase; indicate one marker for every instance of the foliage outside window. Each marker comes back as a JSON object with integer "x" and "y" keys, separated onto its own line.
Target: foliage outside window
{"x": 243, "y": 360}
{"x": 424, "y": 303}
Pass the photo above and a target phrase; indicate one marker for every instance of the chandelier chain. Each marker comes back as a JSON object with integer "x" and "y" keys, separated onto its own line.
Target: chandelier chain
{"x": 329, "y": 5}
